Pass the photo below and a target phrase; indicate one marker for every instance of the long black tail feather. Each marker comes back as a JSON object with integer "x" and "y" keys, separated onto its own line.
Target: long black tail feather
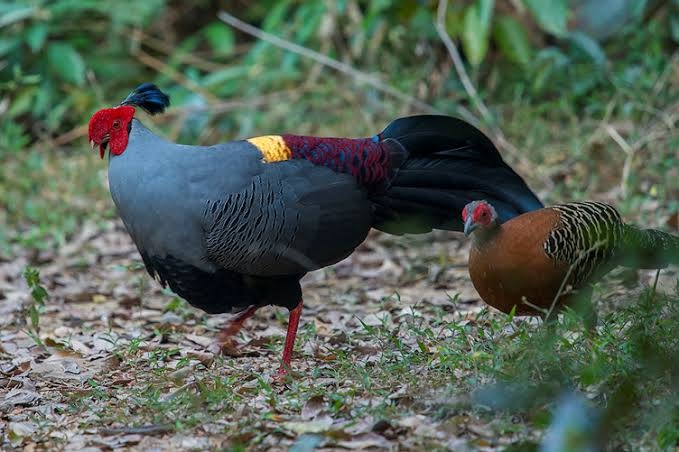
{"x": 439, "y": 164}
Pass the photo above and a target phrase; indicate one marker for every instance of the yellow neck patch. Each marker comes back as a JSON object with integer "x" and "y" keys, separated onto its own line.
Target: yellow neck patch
{"x": 272, "y": 147}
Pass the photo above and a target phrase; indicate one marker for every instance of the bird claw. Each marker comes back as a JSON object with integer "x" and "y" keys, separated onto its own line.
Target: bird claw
{"x": 227, "y": 347}
{"x": 225, "y": 343}
{"x": 282, "y": 376}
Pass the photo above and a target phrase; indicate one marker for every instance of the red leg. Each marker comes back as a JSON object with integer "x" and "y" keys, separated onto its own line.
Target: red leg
{"x": 293, "y": 323}
{"x": 225, "y": 341}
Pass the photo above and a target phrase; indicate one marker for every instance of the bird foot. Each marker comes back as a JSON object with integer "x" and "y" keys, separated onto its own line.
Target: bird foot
{"x": 225, "y": 343}
{"x": 282, "y": 376}
{"x": 226, "y": 347}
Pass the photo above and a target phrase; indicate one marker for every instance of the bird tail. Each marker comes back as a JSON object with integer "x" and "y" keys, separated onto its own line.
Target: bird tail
{"x": 649, "y": 248}
{"x": 438, "y": 165}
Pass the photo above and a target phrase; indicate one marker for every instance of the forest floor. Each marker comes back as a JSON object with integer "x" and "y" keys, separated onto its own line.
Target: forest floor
{"x": 394, "y": 351}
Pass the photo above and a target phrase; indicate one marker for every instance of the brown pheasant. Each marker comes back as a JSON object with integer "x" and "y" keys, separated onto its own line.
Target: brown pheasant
{"x": 552, "y": 256}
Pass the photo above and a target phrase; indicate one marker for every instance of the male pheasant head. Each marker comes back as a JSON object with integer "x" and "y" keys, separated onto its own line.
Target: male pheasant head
{"x": 111, "y": 126}
{"x": 479, "y": 215}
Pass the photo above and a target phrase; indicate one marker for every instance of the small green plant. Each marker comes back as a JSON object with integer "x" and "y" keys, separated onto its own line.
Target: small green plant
{"x": 178, "y": 306}
{"x": 38, "y": 296}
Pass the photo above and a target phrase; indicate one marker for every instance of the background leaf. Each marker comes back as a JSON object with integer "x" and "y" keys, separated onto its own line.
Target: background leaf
{"x": 674, "y": 22}
{"x": 588, "y": 46}
{"x": 513, "y": 40}
{"x": 10, "y": 14}
{"x": 35, "y": 36}
{"x": 66, "y": 62}
{"x": 220, "y": 37}
{"x": 551, "y": 15}
{"x": 8, "y": 45}
{"x": 476, "y": 30}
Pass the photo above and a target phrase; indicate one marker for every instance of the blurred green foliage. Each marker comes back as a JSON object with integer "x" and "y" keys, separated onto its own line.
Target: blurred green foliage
{"x": 628, "y": 370}
{"x": 61, "y": 59}
{"x": 50, "y": 51}
{"x": 535, "y": 63}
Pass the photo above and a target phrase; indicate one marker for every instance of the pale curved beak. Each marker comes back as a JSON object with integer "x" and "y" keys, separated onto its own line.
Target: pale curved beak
{"x": 102, "y": 145}
{"x": 469, "y": 226}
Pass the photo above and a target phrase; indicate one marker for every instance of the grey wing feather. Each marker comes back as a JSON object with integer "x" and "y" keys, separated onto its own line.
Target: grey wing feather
{"x": 292, "y": 218}
{"x": 160, "y": 189}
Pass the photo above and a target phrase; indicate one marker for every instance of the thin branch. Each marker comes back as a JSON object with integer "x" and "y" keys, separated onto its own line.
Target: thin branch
{"x": 518, "y": 6}
{"x": 655, "y": 284}
{"x": 613, "y": 133}
{"x": 230, "y": 105}
{"x": 152, "y": 429}
{"x": 584, "y": 254}
{"x": 185, "y": 57}
{"x": 629, "y": 157}
{"x": 71, "y": 135}
{"x": 661, "y": 81}
{"x": 339, "y": 66}
{"x": 469, "y": 87}
{"x": 175, "y": 75}
{"x": 219, "y": 107}
{"x": 537, "y": 308}
{"x": 459, "y": 65}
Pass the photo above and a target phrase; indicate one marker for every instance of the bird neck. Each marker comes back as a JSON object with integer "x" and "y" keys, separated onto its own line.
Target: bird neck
{"x": 142, "y": 144}
{"x": 483, "y": 236}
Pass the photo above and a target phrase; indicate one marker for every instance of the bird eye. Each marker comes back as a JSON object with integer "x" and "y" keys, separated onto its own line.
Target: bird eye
{"x": 116, "y": 124}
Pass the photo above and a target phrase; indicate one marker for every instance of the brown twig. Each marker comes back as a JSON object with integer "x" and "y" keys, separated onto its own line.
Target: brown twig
{"x": 71, "y": 135}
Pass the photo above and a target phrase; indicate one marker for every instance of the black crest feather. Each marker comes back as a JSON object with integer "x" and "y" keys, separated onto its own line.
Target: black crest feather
{"x": 148, "y": 97}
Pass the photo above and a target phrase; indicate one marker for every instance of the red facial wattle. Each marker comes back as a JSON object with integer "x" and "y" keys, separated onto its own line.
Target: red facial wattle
{"x": 109, "y": 127}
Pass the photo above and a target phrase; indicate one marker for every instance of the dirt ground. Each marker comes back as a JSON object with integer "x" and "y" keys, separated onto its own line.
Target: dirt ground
{"x": 391, "y": 340}
{"x": 107, "y": 329}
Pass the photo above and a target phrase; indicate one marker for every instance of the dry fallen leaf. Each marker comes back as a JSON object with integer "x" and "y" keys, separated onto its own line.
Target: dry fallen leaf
{"x": 19, "y": 397}
{"x": 18, "y": 431}
{"x": 366, "y": 441}
{"x": 313, "y": 407}
{"x": 110, "y": 342}
{"x": 318, "y": 425}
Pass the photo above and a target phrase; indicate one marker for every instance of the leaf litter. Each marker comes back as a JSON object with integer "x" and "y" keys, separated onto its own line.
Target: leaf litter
{"x": 118, "y": 363}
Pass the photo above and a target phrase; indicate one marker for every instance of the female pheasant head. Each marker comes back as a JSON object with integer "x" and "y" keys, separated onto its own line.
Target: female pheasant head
{"x": 111, "y": 126}
{"x": 479, "y": 215}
